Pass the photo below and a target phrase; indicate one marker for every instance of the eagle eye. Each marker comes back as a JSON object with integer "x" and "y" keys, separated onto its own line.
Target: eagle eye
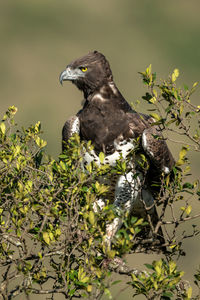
{"x": 83, "y": 69}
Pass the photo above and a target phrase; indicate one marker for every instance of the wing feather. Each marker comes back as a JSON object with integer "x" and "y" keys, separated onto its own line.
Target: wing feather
{"x": 156, "y": 148}
{"x": 71, "y": 126}
{"x": 153, "y": 142}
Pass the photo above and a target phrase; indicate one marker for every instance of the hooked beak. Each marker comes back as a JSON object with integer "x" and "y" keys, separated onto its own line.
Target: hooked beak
{"x": 65, "y": 75}
{"x": 70, "y": 74}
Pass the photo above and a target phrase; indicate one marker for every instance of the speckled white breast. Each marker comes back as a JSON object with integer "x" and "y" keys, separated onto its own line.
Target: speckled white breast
{"x": 122, "y": 149}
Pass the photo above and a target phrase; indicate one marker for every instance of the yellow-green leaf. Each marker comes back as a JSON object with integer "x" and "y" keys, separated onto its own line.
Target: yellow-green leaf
{"x": 51, "y": 236}
{"x": 98, "y": 272}
{"x": 82, "y": 275}
{"x": 89, "y": 168}
{"x": 158, "y": 267}
{"x": 3, "y": 127}
{"x": 181, "y": 108}
{"x": 172, "y": 266}
{"x": 153, "y": 100}
{"x": 155, "y": 285}
{"x": 108, "y": 293}
{"x": 139, "y": 222}
{"x": 167, "y": 180}
{"x": 63, "y": 166}
{"x": 89, "y": 288}
{"x": 155, "y": 116}
{"x": 90, "y": 241}
{"x": 183, "y": 152}
{"x": 91, "y": 218}
{"x": 111, "y": 253}
{"x": 46, "y": 237}
{"x": 124, "y": 166}
{"x": 101, "y": 157}
{"x": 80, "y": 272}
{"x": 188, "y": 209}
{"x": 189, "y": 293}
{"x": 175, "y": 75}
{"x": 155, "y": 93}
{"x": 148, "y": 70}
{"x": 195, "y": 84}
{"x": 182, "y": 155}
{"x": 85, "y": 279}
{"x": 12, "y": 109}
{"x": 58, "y": 232}
{"x": 43, "y": 143}
{"x": 17, "y": 150}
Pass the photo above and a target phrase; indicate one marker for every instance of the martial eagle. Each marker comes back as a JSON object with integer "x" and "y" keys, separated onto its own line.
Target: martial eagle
{"x": 113, "y": 126}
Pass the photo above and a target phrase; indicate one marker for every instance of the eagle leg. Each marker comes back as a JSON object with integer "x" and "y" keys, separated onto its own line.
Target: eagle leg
{"x": 132, "y": 197}
{"x": 127, "y": 195}
{"x": 99, "y": 204}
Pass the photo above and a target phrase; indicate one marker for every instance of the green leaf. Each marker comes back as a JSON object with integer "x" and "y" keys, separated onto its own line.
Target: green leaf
{"x": 167, "y": 294}
{"x": 188, "y": 185}
{"x": 101, "y": 157}
{"x": 3, "y": 127}
{"x": 91, "y": 217}
{"x": 124, "y": 166}
{"x": 46, "y": 237}
{"x": 116, "y": 282}
{"x": 148, "y": 70}
{"x": 89, "y": 168}
{"x": 188, "y": 209}
{"x": 149, "y": 266}
{"x": 108, "y": 293}
{"x": 139, "y": 222}
{"x": 172, "y": 266}
{"x": 182, "y": 155}
{"x": 71, "y": 292}
{"x": 153, "y": 100}
{"x": 195, "y": 84}
{"x": 89, "y": 288}
{"x": 82, "y": 275}
{"x": 51, "y": 236}
{"x": 175, "y": 75}
{"x": 155, "y": 116}
{"x": 189, "y": 293}
{"x": 158, "y": 267}
{"x": 111, "y": 253}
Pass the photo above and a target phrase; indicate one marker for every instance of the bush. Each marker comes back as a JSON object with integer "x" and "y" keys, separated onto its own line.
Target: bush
{"x": 52, "y": 240}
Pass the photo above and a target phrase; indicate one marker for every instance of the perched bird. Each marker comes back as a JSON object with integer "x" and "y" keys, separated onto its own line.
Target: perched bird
{"x": 113, "y": 127}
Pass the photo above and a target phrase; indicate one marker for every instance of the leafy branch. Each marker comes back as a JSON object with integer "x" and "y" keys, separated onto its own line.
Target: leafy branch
{"x": 53, "y": 231}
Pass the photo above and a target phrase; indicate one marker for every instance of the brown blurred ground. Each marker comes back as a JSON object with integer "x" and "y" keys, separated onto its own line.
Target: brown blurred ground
{"x": 39, "y": 38}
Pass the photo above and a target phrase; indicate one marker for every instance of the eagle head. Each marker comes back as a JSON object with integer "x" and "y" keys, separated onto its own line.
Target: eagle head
{"x": 88, "y": 73}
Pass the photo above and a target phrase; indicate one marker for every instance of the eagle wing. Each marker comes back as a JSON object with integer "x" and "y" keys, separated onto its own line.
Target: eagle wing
{"x": 157, "y": 150}
{"x": 71, "y": 126}
{"x": 152, "y": 141}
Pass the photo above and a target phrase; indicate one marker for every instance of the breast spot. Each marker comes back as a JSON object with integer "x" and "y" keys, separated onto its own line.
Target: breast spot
{"x": 100, "y": 97}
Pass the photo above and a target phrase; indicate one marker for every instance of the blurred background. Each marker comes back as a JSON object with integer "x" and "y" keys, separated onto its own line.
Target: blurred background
{"x": 39, "y": 38}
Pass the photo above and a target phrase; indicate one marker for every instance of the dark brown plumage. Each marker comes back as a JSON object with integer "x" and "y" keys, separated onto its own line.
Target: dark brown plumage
{"x": 106, "y": 115}
{"x": 109, "y": 121}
